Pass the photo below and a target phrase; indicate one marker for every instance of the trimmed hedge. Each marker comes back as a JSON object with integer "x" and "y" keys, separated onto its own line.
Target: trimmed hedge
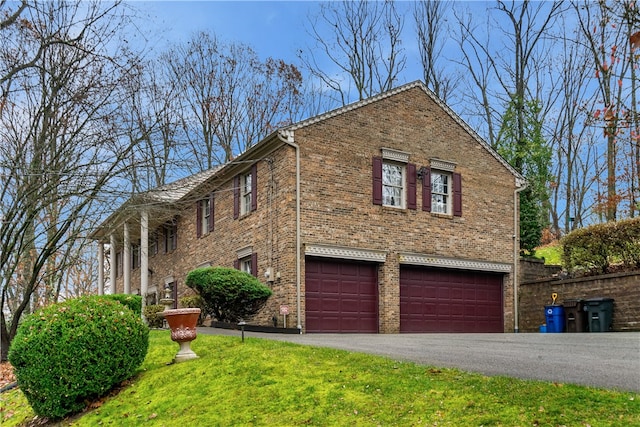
{"x": 67, "y": 354}
{"x": 229, "y": 294}
{"x": 134, "y": 302}
{"x": 597, "y": 247}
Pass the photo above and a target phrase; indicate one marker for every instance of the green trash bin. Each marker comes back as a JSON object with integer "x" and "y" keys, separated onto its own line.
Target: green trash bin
{"x": 599, "y": 314}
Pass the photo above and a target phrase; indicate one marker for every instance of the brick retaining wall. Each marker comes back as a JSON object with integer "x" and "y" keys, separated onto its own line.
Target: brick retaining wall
{"x": 624, "y": 288}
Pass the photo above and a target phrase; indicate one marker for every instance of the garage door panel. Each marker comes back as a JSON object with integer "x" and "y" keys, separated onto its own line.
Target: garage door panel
{"x": 341, "y": 296}
{"x": 441, "y": 300}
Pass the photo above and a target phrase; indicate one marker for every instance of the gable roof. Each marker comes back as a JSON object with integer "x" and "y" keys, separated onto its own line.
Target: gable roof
{"x": 416, "y": 84}
{"x": 165, "y": 201}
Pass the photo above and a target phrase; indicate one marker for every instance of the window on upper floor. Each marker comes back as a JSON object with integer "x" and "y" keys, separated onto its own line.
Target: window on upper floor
{"x": 440, "y": 192}
{"x": 442, "y": 188}
{"x": 394, "y": 180}
{"x": 170, "y": 237}
{"x": 204, "y": 216}
{"x": 245, "y": 192}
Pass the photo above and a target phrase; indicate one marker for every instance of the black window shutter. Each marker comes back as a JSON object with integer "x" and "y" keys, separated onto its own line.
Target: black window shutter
{"x": 377, "y": 180}
{"x": 211, "y": 211}
{"x": 236, "y": 197}
{"x": 254, "y": 264}
{"x": 199, "y": 219}
{"x": 411, "y": 186}
{"x": 426, "y": 190}
{"x": 254, "y": 187}
{"x": 457, "y": 194}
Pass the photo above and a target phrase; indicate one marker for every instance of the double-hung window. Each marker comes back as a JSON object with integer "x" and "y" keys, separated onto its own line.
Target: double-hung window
{"x": 394, "y": 180}
{"x": 441, "y": 188}
{"x": 247, "y": 261}
{"x": 245, "y": 193}
{"x": 440, "y": 192}
{"x": 170, "y": 237}
{"x": 204, "y": 215}
{"x": 393, "y": 188}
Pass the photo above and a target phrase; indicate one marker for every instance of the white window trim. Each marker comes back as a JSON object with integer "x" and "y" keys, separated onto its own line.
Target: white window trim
{"x": 205, "y": 214}
{"x": 245, "y": 264}
{"x": 245, "y": 193}
{"x": 395, "y": 155}
{"x": 448, "y": 195}
{"x": 403, "y": 185}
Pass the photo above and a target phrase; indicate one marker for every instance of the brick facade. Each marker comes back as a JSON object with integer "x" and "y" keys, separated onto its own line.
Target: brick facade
{"x": 336, "y": 152}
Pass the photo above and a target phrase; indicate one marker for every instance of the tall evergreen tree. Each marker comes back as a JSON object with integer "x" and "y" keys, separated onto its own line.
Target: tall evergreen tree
{"x": 527, "y": 151}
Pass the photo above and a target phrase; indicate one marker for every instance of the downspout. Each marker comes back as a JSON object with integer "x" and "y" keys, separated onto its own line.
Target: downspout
{"x": 286, "y": 136}
{"x": 516, "y": 249}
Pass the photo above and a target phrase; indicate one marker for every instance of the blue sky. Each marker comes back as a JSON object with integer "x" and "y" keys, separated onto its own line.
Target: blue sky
{"x": 272, "y": 28}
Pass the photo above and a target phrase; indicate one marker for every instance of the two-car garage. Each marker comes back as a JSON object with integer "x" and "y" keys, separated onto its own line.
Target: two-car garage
{"x": 446, "y": 300}
{"x": 341, "y": 296}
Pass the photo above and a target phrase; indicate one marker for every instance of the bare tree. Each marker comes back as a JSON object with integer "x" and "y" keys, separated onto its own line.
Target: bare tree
{"x": 61, "y": 147}
{"x": 432, "y": 31}
{"x": 572, "y": 142}
{"x": 361, "y": 42}
{"x": 229, "y": 98}
{"x": 607, "y": 41}
{"x": 151, "y": 115}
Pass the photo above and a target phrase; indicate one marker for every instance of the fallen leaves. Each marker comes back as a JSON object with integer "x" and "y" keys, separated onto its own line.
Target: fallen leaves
{"x": 6, "y": 374}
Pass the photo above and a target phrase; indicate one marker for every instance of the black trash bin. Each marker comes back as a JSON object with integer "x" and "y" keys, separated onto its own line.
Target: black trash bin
{"x": 575, "y": 316}
{"x": 599, "y": 314}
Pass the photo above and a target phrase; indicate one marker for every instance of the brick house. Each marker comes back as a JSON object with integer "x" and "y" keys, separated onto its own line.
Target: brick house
{"x": 387, "y": 215}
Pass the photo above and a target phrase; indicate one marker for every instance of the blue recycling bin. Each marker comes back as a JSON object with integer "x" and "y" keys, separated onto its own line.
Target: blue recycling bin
{"x": 554, "y": 315}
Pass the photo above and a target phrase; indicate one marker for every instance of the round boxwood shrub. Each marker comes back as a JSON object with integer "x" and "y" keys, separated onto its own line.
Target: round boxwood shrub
{"x": 229, "y": 294}
{"x": 70, "y": 353}
{"x": 134, "y": 302}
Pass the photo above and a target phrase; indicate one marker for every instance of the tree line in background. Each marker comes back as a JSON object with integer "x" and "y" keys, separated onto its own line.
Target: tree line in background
{"x": 87, "y": 118}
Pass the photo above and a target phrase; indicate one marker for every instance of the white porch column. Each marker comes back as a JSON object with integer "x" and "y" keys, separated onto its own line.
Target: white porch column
{"x": 144, "y": 257}
{"x": 126, "y": 260}
{"x": 100, "y": 268}
{"x": 113, "y": 250}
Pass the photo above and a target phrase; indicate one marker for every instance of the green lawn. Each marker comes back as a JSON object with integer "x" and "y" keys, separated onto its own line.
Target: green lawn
{"x": 263, "y": 382}
{"x": 552, "y": 253}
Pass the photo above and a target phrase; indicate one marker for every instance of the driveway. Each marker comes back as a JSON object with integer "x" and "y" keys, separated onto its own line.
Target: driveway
{"x": 604, "y": 360}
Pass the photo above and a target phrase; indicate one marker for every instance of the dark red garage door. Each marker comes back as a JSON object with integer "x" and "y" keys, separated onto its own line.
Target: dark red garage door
{"x": 341, "y": 296}
{"x": 441, "y": 300}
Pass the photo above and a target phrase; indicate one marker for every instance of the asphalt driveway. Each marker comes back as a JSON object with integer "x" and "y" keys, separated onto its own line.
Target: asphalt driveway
{"x": 604, "y": 360}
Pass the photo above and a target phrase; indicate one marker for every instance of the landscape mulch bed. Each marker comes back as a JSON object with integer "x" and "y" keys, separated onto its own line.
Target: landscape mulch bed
{"x": 6, "y": 374}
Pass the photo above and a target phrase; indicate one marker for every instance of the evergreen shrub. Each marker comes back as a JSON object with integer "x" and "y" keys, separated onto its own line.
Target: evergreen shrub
{"x": 195, "y": 301}
{"x": 134, "y": 302}
{"x": 70, "y": 353}
{"x": 152, "y": 314}
{"x": 229, "y": 295}
{"x": 596, "y": 248}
